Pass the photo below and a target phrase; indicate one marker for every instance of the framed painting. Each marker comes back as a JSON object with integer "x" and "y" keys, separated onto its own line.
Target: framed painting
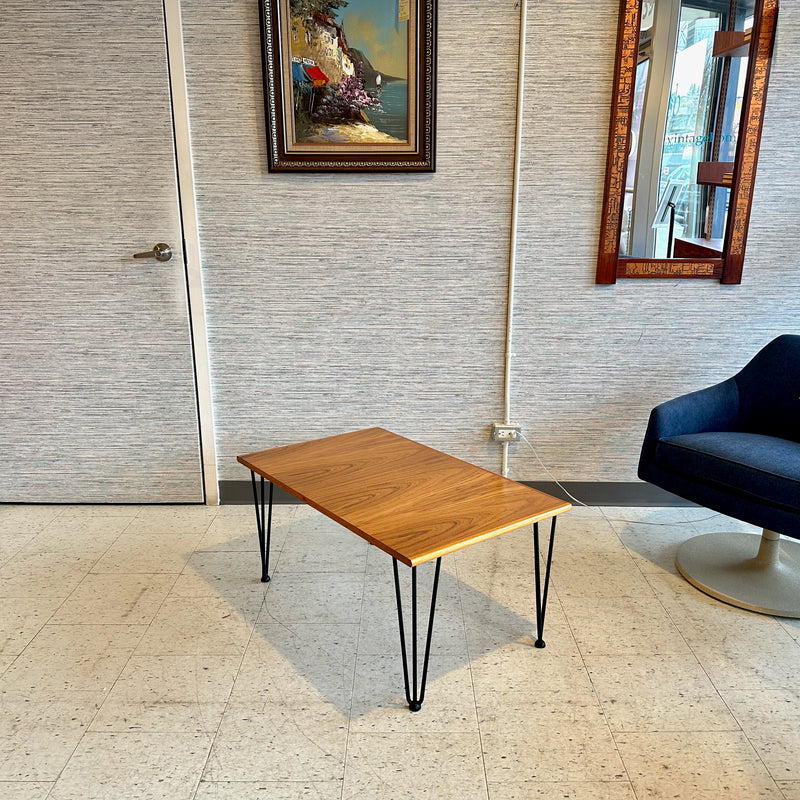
{"x": 349, "y": 85}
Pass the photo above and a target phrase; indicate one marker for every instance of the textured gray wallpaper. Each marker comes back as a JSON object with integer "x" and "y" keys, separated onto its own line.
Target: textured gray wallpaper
{"x": 339, "y": 302}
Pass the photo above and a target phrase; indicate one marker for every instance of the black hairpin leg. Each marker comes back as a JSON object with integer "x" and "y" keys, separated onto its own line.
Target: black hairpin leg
{"x": 416, "y": 697}
{"x": 541, "y": 596}
{"x": 264, "y": 531}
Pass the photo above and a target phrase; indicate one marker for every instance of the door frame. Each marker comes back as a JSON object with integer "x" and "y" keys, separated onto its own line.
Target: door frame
{"x": 187, "y": 208}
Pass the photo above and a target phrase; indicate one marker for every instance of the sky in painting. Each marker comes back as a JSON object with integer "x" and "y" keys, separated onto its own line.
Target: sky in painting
{"x": 372, "y": 27}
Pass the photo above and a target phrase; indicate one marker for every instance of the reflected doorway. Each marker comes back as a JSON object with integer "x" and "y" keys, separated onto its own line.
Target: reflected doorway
{"x": 686, "y": 111}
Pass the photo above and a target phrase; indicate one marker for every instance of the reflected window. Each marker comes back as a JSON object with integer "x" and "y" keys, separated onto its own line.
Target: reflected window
{"x": 686, "y": 111}
{"x": 688, "y": 131}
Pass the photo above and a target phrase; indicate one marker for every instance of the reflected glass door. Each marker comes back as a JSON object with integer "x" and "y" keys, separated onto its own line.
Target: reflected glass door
{"x": 688, "y": 131}
{"x": 685, "y": 113}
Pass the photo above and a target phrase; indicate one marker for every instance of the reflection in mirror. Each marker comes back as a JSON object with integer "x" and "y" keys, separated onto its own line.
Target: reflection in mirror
{"x": 687, "y": 104}
{"x": 689, "y": 95}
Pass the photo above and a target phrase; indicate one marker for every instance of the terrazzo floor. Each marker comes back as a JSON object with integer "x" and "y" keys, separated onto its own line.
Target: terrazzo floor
{"x": 140, "y": 657}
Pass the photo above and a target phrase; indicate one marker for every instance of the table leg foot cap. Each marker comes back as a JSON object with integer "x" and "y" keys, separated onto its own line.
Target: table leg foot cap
{"x": 540, "y": 644}
{"x": 265, "y": 579}
{"x": 415, "y": 706}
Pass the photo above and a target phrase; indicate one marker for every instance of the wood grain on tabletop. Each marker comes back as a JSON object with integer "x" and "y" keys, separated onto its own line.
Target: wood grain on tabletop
{"x": 412, "y": 501}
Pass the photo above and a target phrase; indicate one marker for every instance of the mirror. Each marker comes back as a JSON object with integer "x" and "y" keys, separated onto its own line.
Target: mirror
{"x": 690, "y": 87}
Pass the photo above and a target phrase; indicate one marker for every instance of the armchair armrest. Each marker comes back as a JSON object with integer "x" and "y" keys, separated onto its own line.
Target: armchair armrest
{"x": 715, "y": 408}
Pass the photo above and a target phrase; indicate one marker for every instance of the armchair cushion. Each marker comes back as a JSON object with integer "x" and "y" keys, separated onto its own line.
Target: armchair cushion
{"x": 735, "y": 447}
{"x": 753, "y": 466}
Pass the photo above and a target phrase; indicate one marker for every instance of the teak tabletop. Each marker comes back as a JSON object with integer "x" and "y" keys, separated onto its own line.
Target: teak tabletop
{"x": 411, "y": 501}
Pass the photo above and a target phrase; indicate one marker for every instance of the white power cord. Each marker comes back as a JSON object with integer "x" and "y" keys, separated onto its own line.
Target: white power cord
{"x": 556, "y": 480}
{"x": 599, "y": 508}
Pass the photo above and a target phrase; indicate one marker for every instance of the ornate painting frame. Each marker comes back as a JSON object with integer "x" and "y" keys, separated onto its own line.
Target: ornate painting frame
{"x": 364, "y": 104}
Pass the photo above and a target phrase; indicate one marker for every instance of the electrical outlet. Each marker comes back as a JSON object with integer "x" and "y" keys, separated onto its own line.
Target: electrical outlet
{"x": 502, "y": 432}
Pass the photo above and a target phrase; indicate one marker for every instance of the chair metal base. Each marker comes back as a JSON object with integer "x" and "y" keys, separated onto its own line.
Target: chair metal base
{"x": 758, "y": 573}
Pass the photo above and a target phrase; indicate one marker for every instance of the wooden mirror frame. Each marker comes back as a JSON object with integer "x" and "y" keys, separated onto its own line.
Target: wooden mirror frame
{"x": 727, "y": 268}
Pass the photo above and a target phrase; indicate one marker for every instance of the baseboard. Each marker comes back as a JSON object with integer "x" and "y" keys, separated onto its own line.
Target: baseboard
{"x": 618, "y": 493}
{"x": 238, "y": 493}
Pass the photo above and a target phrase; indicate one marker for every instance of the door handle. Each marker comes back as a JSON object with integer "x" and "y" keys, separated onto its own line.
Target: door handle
{"x": 160, "y": 252}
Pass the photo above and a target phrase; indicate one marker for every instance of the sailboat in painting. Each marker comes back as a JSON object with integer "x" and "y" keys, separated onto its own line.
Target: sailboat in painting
{"x": 349, "y": 71}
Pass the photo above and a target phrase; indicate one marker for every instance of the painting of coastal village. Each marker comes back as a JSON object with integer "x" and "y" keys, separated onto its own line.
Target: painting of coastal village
{"x": 349, "y": 62}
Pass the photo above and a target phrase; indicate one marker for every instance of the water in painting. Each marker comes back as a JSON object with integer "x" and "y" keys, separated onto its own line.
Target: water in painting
{"x": 349, "y": 70}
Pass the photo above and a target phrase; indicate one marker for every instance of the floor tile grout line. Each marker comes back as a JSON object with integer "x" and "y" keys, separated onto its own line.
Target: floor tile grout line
{"x": 215, "y": 734}
{"x": 69, "y": 595}
{"x": 596, "y": 694}
{"x": 695, "y": 656}
{"x": 711, "y": 681}
{"x": 131, "y": 655}
{"x": 472, "y": 680}
{"x": 719, "y": 692}
{"x": 355, "y": 675}
{"x": 124, "y": 666}
{"x": 272, "y": 576}
{"x": 736, "y": 719}
{"x": 108, "y": 694}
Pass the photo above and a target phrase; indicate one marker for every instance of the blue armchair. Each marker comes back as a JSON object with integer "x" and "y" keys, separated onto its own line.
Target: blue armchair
{"x": 735, "y": 448}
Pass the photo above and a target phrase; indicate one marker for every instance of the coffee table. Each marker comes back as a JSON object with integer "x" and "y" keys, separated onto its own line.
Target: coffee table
{"x": 411, "y": 501}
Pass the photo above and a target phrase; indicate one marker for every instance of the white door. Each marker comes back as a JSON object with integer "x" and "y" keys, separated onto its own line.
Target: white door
{"x": 97, "y": 388}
